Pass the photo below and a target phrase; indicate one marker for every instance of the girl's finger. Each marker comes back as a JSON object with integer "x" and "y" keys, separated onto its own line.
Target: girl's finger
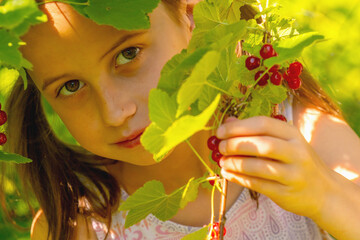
{"x": 263, "y": 186}
{"x": 259, "y": 146}
{"x": 258, "y": 126}
{"x": 257, "y": 167}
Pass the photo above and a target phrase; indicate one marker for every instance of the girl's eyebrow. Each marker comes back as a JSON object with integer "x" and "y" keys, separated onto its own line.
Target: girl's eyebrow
{"x": 125, "y": 37}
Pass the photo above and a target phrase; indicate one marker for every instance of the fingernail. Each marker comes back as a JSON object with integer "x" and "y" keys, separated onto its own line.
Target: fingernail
{"x": 230, "y": 119}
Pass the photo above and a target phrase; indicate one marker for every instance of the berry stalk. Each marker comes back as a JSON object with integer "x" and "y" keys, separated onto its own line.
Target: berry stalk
{"x": 222, "y": 218}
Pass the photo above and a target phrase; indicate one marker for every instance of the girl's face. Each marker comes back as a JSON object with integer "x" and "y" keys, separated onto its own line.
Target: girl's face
{"x": 98, "y": 78}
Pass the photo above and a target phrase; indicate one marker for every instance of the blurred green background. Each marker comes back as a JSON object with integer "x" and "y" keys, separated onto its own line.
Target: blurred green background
{"x": 335, "y": 63}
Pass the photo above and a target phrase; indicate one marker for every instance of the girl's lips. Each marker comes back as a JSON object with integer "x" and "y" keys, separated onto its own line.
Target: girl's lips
{"x": 132, "y": 142}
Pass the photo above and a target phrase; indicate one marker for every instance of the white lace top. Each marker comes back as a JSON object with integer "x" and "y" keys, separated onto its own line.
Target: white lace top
{"x": 244, "y": 221}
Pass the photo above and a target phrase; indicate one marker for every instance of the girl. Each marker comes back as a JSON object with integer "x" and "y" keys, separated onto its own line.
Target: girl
{"x": 98, "y": 79}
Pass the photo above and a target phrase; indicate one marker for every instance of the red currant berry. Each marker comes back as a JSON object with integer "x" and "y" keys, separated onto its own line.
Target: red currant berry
{"x": 213, "y": 143}
{"x": 294, "y": 83}
{"x": 295, "y": 69}
{"x": 276, "y": 78}
{"x": 216, "y": 156}
{"x": 264, "y": 80}
{"x": 274, "y": 68}
{"x": 215, "y": 233}
{"x": 212, "y": 182}
{"x": 280, "y": 117}
{"x": 286, "y": 77}
{"x": 252, "y": 62}
{"x": 267, "y": 51}
{"x": 3, "y": 139}
{"x": 3, "y": 117}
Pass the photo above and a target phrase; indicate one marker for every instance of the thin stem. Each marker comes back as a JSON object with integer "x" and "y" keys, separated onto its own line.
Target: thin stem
{"x": 67, "y": 2}
{"x": 222, "y": 217}
{"x": 217, "y": 88}
{"x": 209, "y": 128}
{"x": 223, "y": 115}
{"x": 249, "y": 91}
{"x": 212, "y": 205}
{"x": 216, "y": 118}
{"x": 200, "y": 158}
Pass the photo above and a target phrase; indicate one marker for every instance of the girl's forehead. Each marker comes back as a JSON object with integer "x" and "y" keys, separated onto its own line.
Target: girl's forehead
{"x": 66, "y": 22}
{"x": 67, "y": 37}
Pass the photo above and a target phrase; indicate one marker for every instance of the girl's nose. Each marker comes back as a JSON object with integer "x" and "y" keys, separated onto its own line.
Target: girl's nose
{"x": 116, "y": 108}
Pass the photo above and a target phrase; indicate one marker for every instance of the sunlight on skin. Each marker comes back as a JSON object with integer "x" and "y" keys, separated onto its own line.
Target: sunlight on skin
{"x": 346, "y": 173}
{"x": 58, "y": 18}
{"x": 307, "y": 126}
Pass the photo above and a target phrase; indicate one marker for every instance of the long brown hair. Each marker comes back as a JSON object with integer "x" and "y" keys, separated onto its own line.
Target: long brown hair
{"x": 63, "y": 176}
{"x": 65, "y": 179}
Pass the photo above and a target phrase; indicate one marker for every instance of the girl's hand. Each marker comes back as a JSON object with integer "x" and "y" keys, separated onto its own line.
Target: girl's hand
{"x": 273, "y": 158}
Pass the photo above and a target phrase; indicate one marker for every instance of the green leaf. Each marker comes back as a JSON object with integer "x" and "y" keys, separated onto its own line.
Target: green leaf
{"x": 151, "y": 198}
{"x": 190, "y": 192}
{"x": 162, "y": 108}
{"x": 207, "y": 96}
{"x": 153, "y": 140}
{"x": 191, "y": 89}
{"x": 233, "y": 13}
{"x": 13, "y": 13}
{"x": 15, "y": 158}
{"x": 33, "y": 19}
{"x": 274, "y": 94}
{"x": 8, "y": 76}
{"x": 246, "y": 77}
{"x": 259, "y": 106}
{"x": 159, "y": 142}
{"x": 80, "y": 6}
{"x": 234, "y": 90}
{"x": 24, "y": 77}
{"x": 237, "y": 31}
{"x": 198, "y": 235}
{"x": 292, "y": 48}
{"x": 266, "y": 11}
{"x": 206, "y": 17}
{"x": 9, "y": 53}
{"x": 178, "y": 69}
{"x": 123, "y": 15}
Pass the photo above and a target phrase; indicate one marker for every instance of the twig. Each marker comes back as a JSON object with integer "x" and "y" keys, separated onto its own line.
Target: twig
{"x": 222, "y": 218}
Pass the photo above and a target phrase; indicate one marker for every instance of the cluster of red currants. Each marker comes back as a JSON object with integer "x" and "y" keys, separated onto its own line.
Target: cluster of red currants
{"x": 213, "y": 144}
{"x": 291, "y": 75}
{"x": 215, "y": 234}
{"x": 3, "y": 119}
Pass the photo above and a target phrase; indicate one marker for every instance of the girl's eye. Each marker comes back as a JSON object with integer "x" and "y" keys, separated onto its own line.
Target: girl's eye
{"x": 127, "y": 55}
{"x": 70, "y": 87}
